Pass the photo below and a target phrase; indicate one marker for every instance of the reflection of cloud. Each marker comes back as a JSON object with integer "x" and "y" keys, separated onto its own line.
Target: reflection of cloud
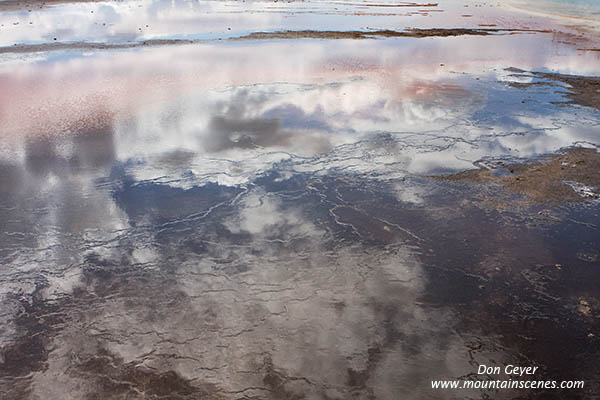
{"x": 261, "y": 215}
{"x": 91, "y": 149}
{"x": 410, "y": 193}
{"x": 288, "y": 310}
{"x": 295, "y": 117}
{"x": 66, "y": 94}
{"x": 52, "y": 211}
{"x": 227, "y": 133}
{"x": 40, "y": 156}
{"x": 237, "y": 129}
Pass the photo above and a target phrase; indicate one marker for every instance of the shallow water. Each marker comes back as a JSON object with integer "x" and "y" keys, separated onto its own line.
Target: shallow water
{"x": 135, "y": 21}
{"x": 237, "y": 219}
{"x": 577, "y": 9}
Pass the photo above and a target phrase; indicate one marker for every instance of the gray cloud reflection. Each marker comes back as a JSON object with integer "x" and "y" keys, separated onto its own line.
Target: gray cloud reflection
{"x": 236, "y": 128}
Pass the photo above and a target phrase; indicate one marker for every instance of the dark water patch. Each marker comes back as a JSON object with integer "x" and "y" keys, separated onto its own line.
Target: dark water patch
{"x": 163, "y": 203}
{"x": 521, "y": 283}
{"x": 524, "y": 284}
{"x": 109, "y": 377}
{"x": 274, "y": 182}
{"x": 28, "y": 353}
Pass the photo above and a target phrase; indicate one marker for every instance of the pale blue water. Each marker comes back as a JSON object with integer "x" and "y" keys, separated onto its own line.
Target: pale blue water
{"x": 587, "y": 9}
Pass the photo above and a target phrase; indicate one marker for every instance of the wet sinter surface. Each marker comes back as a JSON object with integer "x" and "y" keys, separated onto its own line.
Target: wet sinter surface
{"x": 265, "y": 218}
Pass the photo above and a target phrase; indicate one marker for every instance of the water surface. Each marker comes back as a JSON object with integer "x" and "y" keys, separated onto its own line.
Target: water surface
{"x": 238, "y": 219}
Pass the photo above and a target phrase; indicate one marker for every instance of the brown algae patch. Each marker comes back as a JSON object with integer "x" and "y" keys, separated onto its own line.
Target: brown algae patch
{"x": 572, "y": 176}
{"x": 414, "y": 33}
{"x": 54, "y": 46}
{"x": 581, "y": 90}
{"x": 16, "y": 5}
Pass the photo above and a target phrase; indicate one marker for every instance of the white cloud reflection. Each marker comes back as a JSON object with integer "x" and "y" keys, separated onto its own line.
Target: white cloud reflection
{"x": 235, "y": 109}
